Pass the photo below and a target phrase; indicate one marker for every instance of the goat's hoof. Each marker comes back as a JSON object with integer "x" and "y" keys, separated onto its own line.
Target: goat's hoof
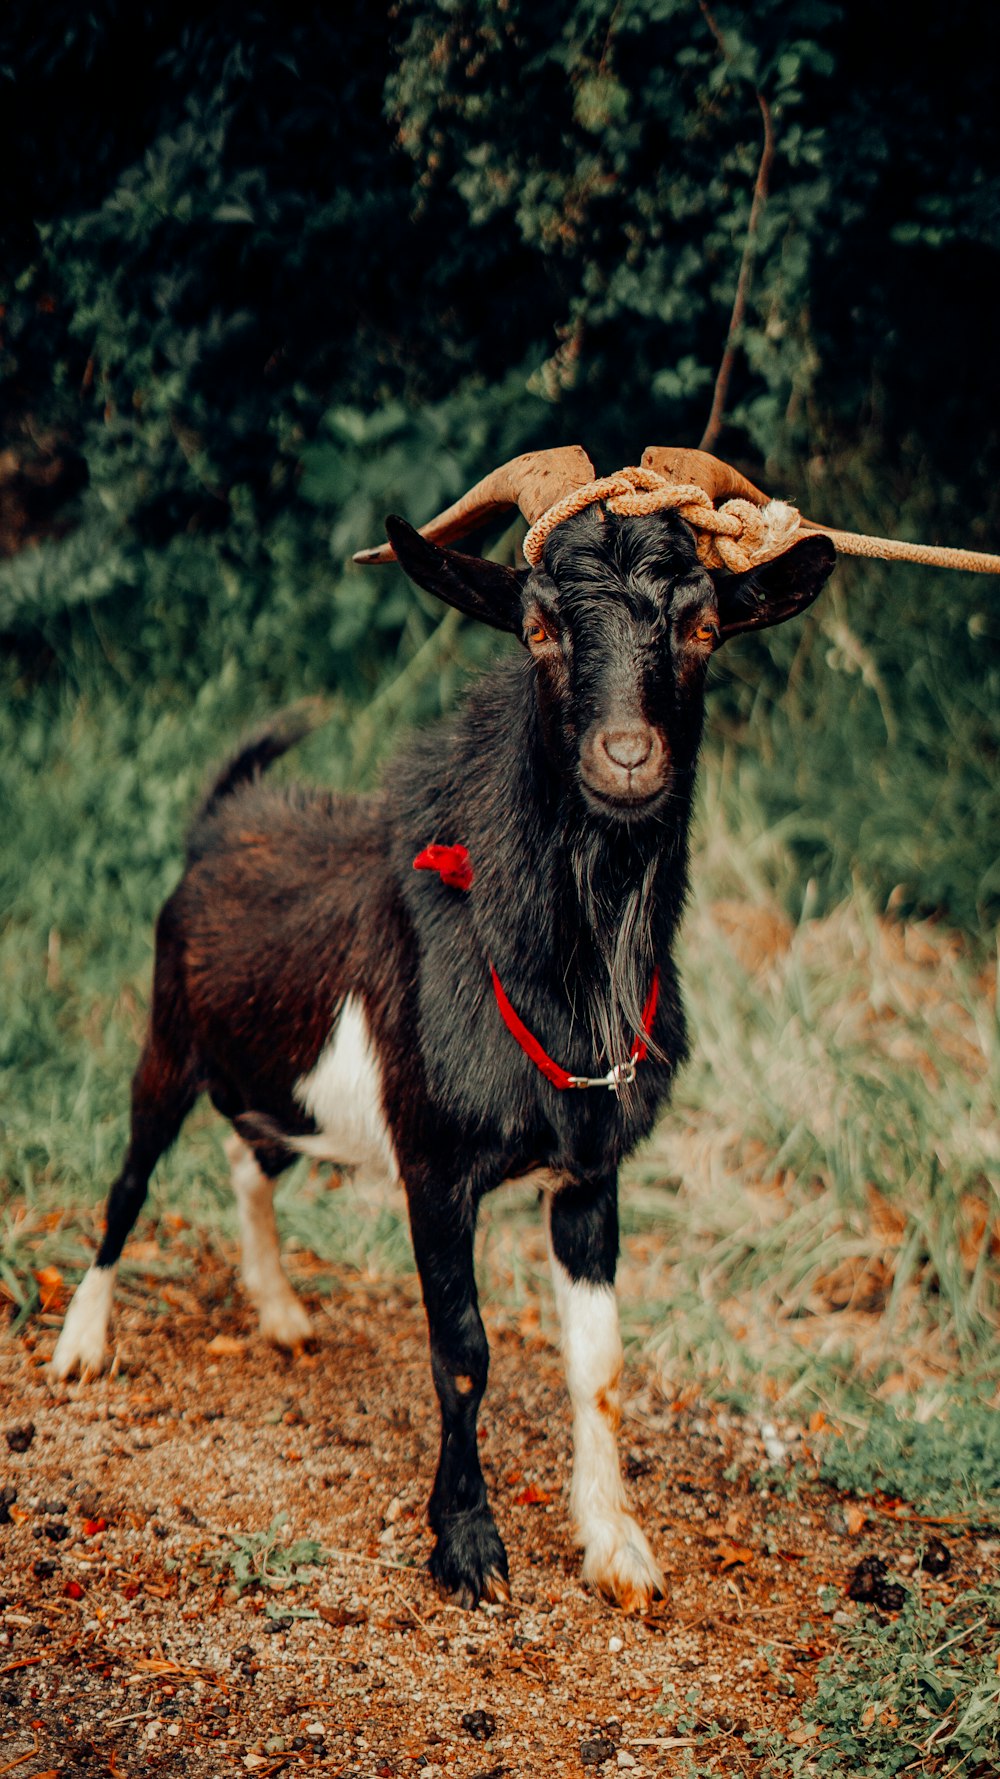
{"x": 618, "y": 1561}
{"x": 469, "y": 1561}
{"x": 82, "y": 1343}
{"x": 286, "y": 1323}
{"x": 63, "y": 1365}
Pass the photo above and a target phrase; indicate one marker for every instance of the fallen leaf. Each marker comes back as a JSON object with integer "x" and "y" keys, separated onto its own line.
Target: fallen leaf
{"x": 856, "y": 1517}
{"x": 226, "y": 1346}
{"x": 340, "y": 1616}
{"x": 92, "y": 1527}
{"x": 51, "y": 1287}
{"x": 73, "y": 1590}
{"x": 532, "y": 1496}
{"x": 729, "y": 1554}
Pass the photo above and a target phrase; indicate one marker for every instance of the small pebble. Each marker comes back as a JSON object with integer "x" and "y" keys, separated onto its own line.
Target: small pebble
{"x": 596, "y": 1752}
{"x": 8, "y": 1495}
{"x": 870, "y": 1585}
{"x": 19, "y": 1438}
{"x": 480, "y": 1725}
{"x": 615, "y": 1645}
{"x": 891, "y": 1596}
{"x": 315, "y": 1729}
{"x": 625, "y": 1759}
{"x": 774, "y": 1447}
{"x": 936, "y": 1559}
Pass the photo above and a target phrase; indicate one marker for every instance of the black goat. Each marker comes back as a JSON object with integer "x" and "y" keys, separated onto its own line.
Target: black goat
{"x": 334, "y": 1001}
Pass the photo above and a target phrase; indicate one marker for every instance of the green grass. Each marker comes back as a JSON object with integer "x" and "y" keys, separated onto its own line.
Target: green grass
{"x": 918, "y": 1694}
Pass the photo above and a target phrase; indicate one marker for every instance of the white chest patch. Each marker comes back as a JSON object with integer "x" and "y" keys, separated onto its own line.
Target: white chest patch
{"x": 343, "y": 1093}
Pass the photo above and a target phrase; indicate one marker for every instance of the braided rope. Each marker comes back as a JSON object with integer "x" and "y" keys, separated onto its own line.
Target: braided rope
{"x": 738, "y": 535}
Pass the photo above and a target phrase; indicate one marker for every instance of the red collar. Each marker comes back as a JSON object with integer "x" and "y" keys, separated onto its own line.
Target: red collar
{"x": 454, "y": 867}
{"x": 616, "y": 1078}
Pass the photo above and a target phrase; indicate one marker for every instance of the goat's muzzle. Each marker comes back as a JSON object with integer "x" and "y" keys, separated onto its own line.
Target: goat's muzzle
{"x": 625, "y": 765}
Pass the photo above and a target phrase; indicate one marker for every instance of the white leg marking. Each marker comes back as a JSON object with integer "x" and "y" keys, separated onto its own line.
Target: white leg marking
{"x": 82, "y": 1343}
{"x": 282, "y": 1317}
{"x": 616, "y": 1555}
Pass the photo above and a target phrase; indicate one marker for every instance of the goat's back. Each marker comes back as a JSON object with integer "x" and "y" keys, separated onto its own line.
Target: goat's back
{"x": 271, "y": 923}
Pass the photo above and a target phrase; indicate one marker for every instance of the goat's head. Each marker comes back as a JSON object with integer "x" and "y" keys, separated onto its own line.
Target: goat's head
{"x": 620, "y": 618}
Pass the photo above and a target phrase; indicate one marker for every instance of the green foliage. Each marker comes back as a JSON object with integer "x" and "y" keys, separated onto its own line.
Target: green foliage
{"x": 295, "y": 273}
{"x": 948, "y": 1464}
{"x": 260, "y": 1560}
{"x": 919, "y": 1693}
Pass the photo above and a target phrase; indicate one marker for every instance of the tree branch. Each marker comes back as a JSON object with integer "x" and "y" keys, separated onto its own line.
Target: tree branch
{"x": 760, "y": 194}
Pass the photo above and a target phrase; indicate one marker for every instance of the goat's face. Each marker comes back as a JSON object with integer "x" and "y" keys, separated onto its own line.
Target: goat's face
{"x": 621, "y": 620}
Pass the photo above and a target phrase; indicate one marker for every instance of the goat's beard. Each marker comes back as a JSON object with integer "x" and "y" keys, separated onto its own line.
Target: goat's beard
{"x": 616, "y": 892}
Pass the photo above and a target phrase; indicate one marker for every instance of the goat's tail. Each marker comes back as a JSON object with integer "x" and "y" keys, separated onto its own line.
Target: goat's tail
{"x": 258, "y": 752}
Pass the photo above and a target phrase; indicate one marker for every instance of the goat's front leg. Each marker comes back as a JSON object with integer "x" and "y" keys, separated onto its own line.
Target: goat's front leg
{"x": 468, "y": 1559}
{"x": 583, "y": 1252}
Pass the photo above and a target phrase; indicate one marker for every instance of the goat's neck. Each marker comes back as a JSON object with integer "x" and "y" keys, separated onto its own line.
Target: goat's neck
{"x": 569, "y": 900}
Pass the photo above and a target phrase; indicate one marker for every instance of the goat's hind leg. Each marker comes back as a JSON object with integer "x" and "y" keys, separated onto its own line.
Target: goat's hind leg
{"x": 583, "y": 1251}
{"x": 281, "y": 1315}
{"x": 163, "y": 1093}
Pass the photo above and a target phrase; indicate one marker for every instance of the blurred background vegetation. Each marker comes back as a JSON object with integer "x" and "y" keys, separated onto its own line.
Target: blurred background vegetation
{"x": 268, "y": 272}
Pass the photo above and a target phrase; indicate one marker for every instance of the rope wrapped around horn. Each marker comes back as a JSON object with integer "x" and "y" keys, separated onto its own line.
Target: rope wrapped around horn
{"x": 736, "y": 536}
{"x": 748, "y": 527}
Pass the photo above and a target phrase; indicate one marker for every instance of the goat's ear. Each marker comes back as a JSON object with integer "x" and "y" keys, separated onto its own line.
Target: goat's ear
{"x": 475, "y": 586}
{"x": 776, "y": 590}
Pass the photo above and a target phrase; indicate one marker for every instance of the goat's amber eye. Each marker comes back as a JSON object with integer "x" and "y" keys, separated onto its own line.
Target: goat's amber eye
{"x": 538, "y": 633}
{"x": 706, "y": 633}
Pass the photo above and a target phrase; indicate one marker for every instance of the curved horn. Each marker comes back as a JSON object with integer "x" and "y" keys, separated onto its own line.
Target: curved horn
{"x": 719, "y": 480}
{"x": 533, "y": 482}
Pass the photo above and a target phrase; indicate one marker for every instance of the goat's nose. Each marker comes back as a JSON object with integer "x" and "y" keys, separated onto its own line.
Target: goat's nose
{"x": 627, "y": 747}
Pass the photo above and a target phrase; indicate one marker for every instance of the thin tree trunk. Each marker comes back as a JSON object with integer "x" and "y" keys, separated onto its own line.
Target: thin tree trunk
{"x": 760, "y": 195}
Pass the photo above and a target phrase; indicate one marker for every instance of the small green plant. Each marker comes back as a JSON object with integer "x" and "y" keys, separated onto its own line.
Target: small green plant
{"x": 261, "y": 1560}
{"x": 919, "y": 1694}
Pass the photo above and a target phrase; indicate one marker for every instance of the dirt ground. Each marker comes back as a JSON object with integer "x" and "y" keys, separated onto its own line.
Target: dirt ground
{"x": 124, "y": 1650}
